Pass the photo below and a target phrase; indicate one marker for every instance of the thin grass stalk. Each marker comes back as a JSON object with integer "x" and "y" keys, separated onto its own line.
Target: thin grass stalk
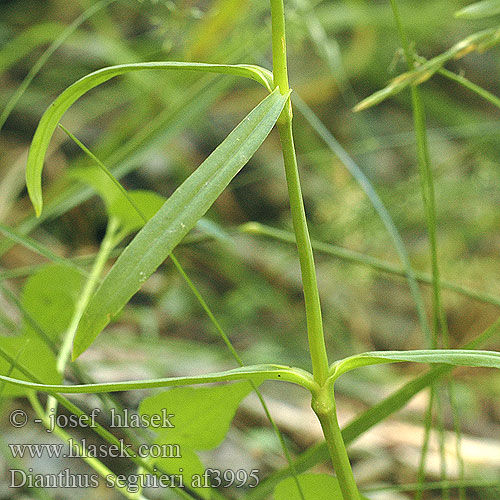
{"x": 440, "y": 326}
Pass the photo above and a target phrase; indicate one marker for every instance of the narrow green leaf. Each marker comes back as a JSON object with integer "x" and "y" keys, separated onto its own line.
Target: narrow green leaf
{"x": 56, "y": 110}
{"x": 255, "y": 373}
{"x": 455, "y": 357}
{"x": 478, "y": 10}
{"x": 175, "y": 219}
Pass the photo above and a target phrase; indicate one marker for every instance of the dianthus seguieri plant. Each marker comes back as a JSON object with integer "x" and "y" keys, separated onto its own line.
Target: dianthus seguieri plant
{"x": 204, "y": 413}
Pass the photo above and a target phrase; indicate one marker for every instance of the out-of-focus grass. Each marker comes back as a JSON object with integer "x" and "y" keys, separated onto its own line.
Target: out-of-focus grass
{"x": 138, "y": 126}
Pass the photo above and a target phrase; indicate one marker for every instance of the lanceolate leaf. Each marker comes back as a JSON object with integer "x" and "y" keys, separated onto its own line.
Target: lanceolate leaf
{"x": 455, "y": 357}
{"x": 56, "y": 110}
{"x": 255, "y": 373}
{"x": 175, "y": 219}
{"x": 478, "y": 10}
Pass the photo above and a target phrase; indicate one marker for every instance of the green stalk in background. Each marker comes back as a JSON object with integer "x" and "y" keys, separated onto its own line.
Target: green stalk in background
{"x": 440, "y": 334}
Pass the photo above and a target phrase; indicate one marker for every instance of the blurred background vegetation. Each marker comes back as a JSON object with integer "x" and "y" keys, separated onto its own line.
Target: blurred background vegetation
{"x": 155, "y": 128}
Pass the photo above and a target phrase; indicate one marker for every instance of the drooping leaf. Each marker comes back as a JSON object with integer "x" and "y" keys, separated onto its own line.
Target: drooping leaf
{"x": 50, "y": 296}
{"x": 202, "y": 415}
{"x": 455, "y": 357}
{"x": 32, "y": 353}
{"x": 479, "y": 10}
{"x": 175, "y": 219}
{"x": 56, "y": 110}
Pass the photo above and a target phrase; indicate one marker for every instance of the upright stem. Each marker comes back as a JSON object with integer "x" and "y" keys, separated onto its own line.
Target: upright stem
{"x": 311, "y": 294}
{"x": 336, "y": 446}
{"x": 323, "y": 399}
{"x": 105, "y": 249}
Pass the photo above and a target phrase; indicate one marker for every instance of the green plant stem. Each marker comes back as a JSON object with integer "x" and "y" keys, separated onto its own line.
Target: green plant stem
{"x": 201, "y": 301}
{"x": 440, "y": 326}
{"x": 311, "y": 294}
{"x": 107, "y": 245}
{"x": 323, "y": 401}
{"x": 325, "y": 408}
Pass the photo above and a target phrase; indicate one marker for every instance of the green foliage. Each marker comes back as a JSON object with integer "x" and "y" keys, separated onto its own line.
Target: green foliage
{"x": 253, "y": 373}
{"x": 314, "y": 487}
{"x": 479, "y": 10}
{"x": 50, "y": 296}
{"x": 119, "y": 206}
{"x": 175, "y": 219}
{"x": 48, "y": 302}
{"x": 34, "y": 354}
{"x": 201, "y": 418}
{"x": 455, "y": 357}
{"x": 203, "y": 415}
{"x": 55, "y": 112}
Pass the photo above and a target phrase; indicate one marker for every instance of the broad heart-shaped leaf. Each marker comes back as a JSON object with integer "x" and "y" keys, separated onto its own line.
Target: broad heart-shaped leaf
{"x": 202, "y": 415}
{"x": 313, "y": 486}
{"x": 189, "y": 467}
{"x": 478, "y": 10}
{"x": 156, "y": 240}
{"x": 33, "y": 354}
{"x": 201, "y": 418}
{"x": 117, "y": 203}
{"x": 56, "y": 110}
{"x": 95, "y": 177}
{"x": 148, "y": 203}
{"x": 456, "y": 357}
{"x": 49, "y": 296}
